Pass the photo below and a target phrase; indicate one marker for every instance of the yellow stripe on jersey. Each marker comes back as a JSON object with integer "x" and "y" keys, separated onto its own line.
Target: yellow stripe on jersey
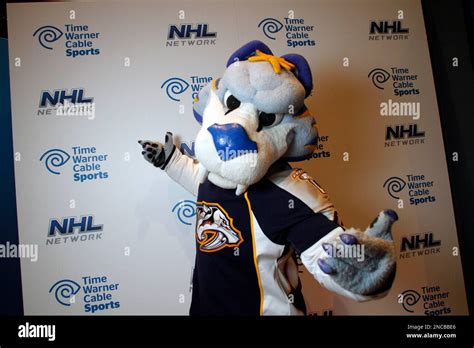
{"x": 255, "y": 252}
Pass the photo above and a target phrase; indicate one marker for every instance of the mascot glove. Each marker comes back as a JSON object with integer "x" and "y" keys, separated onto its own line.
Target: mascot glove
{"x": 358, "y": 265}
{"x": 156, "y": 153}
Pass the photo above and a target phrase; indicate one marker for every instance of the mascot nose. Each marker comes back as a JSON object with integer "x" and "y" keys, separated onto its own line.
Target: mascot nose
{"x": 231, "y": 140}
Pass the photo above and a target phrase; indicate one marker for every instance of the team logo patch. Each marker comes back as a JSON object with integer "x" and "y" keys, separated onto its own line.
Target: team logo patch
{"x": 300, "y": 174}
{"x": 214, "y": 228}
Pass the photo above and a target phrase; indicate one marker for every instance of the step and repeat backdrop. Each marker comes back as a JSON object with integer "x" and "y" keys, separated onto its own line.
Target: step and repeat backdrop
{"x": 115, "y": 235}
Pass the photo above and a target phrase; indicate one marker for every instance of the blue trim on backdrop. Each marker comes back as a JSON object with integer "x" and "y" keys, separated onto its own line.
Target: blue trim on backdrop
{"x": 11, "y": 301}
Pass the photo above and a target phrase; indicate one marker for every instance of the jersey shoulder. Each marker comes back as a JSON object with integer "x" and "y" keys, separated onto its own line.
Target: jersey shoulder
{"x": 301, "y": 185}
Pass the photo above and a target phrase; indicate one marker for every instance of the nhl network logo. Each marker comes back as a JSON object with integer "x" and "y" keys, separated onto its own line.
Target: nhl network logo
{"x": 419, "y": 245}
{"x": 73, "y": 229}
{"x": 62, "y": 102}
{"x": 404, "y": 134}
{"x": 388, "y": 31}
{"x": 197, "y": 34}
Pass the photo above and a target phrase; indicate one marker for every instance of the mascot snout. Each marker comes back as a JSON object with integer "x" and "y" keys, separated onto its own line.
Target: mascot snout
{"x": 231, "y": 141}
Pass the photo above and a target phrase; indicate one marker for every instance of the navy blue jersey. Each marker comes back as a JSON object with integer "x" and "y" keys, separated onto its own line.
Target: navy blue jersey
{"x": 245, "y": 244}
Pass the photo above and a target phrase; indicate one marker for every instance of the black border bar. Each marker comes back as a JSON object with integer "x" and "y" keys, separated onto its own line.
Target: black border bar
{"x": 224, "y": 330}
{"x": 449, "y": 32}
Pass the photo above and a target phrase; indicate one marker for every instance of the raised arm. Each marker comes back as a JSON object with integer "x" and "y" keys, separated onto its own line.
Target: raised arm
{"x": 179, "y": 167}
{"x": 355, "y": 264}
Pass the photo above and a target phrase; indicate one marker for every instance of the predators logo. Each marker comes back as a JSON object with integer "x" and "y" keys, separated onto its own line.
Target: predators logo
{"x": 214, "y": 228}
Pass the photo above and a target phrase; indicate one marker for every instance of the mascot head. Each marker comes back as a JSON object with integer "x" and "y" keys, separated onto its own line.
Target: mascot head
{"x": 253, "y": 116}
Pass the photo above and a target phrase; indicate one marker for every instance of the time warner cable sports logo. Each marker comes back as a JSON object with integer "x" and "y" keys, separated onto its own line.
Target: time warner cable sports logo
{"x": 428, "y": 300}
{"x": 176, "y": 87}
{"x": 401, "y": 80}
{"x": 75, "y": 40}
{"x": 85, "y": 163}
{"x": 296, "y": 31}
{"x": 417, "y": 187}
{"x": 94, "y": 293}
{"x": 321, "y": 150}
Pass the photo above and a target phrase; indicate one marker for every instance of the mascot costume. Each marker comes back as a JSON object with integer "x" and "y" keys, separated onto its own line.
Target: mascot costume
{"x": 254, "y": 212}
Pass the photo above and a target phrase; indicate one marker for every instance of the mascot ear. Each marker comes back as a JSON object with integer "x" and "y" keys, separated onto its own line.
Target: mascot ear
{"x": 200, "y": 102}
{"x": 302, "y": 71}
{"x": 248, "y": 50}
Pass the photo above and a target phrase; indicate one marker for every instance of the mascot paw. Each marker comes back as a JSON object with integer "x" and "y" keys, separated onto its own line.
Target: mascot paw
{"x": 157, "y": 153}
{"x": 363, "y": 262}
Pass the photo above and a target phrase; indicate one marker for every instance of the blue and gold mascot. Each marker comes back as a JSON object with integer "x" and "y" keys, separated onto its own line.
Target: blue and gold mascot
{"x": 254, "y": 212}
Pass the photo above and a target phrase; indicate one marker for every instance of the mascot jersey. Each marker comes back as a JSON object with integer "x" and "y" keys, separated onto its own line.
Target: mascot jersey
{"x": 238, "y": 239}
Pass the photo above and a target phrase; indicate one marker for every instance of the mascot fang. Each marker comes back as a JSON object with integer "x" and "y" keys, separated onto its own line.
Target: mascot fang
{"x": 254, "y": 212}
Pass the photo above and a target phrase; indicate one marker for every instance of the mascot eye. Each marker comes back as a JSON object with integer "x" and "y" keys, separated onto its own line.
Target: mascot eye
{"x": 231, "y": 102}
{"x": 267, "y": 120}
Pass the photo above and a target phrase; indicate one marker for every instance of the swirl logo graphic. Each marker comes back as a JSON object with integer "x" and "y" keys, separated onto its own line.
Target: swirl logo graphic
{"x": 408, "y": 299}
{"x": 175, "y": 86}
{"x": 379, "y": 76}
{"x": 185, "y": 210}
{"x": 270, "y": 26}
{"x": 394, "y": 185}
{"x": 64, "y": 291}
{"x": 48, "y": 34}
{"x": 55, "y": 158}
